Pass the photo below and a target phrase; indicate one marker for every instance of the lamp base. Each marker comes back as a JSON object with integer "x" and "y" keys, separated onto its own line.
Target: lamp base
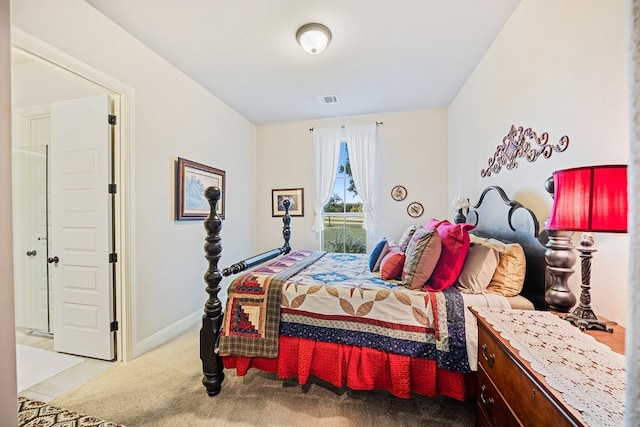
{"x": 583, "y": 316}
{"x": 586, "y": 319}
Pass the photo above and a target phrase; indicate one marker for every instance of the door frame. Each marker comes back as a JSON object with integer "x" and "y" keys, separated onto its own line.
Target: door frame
{"x": 123, "y": 97}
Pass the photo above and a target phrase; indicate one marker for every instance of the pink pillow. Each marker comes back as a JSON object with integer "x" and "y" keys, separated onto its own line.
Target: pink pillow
{"x": 455, "y": 245}
{"x": 392, "y": 263}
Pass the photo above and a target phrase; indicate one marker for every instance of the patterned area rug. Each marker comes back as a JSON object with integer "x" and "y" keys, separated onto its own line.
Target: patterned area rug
{"x": 32, "y": 413}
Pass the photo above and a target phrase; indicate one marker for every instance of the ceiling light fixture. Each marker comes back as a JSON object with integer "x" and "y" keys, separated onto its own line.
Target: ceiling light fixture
{"x": 313, "y": 37}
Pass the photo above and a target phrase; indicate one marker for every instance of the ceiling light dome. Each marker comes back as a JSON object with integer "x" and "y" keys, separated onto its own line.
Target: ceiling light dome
{"x": 313, "y": 37}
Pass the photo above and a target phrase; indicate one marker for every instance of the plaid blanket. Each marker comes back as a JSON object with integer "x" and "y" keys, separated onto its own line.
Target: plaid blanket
{"x": 252, "y": 319}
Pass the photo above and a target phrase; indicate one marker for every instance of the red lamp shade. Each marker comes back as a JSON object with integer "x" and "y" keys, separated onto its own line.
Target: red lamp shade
{"x": 592, "y": 198}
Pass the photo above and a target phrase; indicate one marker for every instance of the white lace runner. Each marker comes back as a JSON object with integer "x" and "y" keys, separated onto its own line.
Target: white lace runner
{"x": 588, "y": 374}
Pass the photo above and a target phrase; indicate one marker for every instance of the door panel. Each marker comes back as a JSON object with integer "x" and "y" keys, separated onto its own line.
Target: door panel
{"x": 30, "y": 183}
{"x": 81, "y": 227}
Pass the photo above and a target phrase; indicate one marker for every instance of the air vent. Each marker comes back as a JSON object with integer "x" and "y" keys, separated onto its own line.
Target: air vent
{"x": 329, "y": 99}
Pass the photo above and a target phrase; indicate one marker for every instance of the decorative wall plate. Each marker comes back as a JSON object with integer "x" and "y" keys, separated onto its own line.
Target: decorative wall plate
{"x": 398, "y": 193}
{"x": 415, "y": 209}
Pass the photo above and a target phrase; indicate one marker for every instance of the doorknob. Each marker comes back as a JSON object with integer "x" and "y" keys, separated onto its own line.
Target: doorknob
{"x": 55, "y": 259}
{"x": 31, "y": 253}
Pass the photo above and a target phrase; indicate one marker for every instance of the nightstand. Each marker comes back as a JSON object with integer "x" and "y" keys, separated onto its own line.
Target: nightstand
{"x": 511, "y": 392}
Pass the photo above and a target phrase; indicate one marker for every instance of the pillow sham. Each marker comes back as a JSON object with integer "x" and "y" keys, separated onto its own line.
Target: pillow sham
{"x": 392, "y": 263}
{"x": 406, "y": 236}
{"x": 385, "y": 251}
{"x": 375, "y": 253}
{"x": 508, "y": 279}
{"x": 478, "y": 268}
{"x": 455, "y": 245}
{"x": 421, "y": 257}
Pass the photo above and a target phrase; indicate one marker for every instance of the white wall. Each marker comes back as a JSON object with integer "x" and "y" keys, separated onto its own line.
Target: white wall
{"x": 557, "y": 67}
{"x": 412, "y": 152}
{"x": 172, "y": 117}
{"x": 36, "y": 83}
{"x": 8, "y": 383}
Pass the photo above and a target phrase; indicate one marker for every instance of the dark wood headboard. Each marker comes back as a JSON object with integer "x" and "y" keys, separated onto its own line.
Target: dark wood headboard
{"x": 497, "y": 216}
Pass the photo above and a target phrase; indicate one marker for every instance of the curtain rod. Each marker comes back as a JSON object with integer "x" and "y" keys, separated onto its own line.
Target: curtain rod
{"x": 377, "y": 124}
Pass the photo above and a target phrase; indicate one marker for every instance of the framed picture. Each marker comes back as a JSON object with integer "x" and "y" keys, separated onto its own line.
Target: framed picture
{"x": 415, "y": 209}
{"x": 398, "y": 193}
{"x": 191, "y": 180}
{"x": 295, "y": 197}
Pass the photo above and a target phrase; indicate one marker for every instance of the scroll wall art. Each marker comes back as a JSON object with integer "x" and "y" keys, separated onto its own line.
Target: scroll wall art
{"x": 518, "y": 143}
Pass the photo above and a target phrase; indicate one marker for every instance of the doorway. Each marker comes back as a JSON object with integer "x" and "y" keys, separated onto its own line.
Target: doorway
{"x": 51, "y": 76}
{"x": 30, "y": 169}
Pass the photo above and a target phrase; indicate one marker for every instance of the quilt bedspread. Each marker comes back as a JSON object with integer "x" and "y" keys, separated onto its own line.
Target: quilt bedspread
{"x": 337, "y": 299}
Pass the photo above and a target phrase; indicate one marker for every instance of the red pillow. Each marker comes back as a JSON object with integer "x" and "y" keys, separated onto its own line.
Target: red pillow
{"x": 455, "y": 245}
{"x": 392, "y": 263}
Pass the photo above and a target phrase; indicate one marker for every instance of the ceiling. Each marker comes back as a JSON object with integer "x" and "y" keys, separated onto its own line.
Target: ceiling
{"x": 385, "y": 56}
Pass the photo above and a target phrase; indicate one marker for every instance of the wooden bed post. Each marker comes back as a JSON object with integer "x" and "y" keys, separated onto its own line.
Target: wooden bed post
{"x": 212, "y": 366}
{"x": 286, "y": 228}
{"x": 212, "y": 319}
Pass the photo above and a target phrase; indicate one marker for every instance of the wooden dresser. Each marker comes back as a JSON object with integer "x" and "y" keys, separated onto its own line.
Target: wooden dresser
{"x": 511, "y": 393}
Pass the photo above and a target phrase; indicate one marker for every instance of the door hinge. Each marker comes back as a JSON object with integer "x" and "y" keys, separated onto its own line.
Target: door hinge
{"x": 113, "y": 188}
{"x": 114, "y": 326}
{"x": 112, "y": 119}
{"x": 113, "y": 257}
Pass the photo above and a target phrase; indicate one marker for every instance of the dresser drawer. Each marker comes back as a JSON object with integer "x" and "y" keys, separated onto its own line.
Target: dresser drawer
{"x": 529, "y": 402}
{"x": 492, "y": 408}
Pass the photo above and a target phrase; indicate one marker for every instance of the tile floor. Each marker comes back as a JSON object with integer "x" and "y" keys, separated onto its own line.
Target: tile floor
{"x": 65, "y": 381}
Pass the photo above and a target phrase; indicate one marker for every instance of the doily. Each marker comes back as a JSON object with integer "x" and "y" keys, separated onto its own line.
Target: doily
{"x": 588, "y": 374}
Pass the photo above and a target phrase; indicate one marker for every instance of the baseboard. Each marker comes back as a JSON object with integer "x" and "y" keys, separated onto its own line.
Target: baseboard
{"x": 166, "y": 334}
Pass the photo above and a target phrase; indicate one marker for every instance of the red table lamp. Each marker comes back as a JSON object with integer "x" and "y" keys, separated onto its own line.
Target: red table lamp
{"x": 589, "y": 199}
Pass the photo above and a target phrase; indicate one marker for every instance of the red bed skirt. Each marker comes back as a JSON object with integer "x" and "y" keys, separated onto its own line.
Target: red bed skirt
{"x": 358, "y": 368}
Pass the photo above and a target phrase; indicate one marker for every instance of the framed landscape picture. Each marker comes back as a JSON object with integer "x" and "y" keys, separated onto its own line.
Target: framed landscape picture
{"x": 296, "y": 200}
{"x": 192, "y": 179}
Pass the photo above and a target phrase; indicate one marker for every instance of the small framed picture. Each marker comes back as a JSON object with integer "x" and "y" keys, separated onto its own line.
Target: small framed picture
{"x": 398, "y": 193}
{"x": 295, "y": 196}
{"x": 191, "y": 180}
{"x": 415, "y": 209}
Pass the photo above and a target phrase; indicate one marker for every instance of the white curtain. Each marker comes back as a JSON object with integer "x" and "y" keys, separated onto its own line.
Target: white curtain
{"x": 362, "y": 146}
{"x": 326, "y": 147}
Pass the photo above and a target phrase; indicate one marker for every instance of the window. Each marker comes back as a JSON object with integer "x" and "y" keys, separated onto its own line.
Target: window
{"x": 342, "y": 215}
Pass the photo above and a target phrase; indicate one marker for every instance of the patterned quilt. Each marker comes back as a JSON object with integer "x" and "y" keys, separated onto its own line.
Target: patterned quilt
{"x": 252, "y": 318}
{"x": 337, "y": 299}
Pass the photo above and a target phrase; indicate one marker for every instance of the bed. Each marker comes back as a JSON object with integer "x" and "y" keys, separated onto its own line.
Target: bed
{"x": 310, "y": 314}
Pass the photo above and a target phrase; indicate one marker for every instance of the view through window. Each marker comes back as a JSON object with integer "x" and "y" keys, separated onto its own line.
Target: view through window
{"x": 343, "y": 214}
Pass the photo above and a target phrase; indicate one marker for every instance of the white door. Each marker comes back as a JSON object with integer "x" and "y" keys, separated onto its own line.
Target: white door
{"x": 30, "y": 185}
{"x": 81, "y": 238}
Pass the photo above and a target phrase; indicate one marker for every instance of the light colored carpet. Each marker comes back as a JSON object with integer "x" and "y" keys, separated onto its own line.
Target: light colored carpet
{"x": 163, "y": 388}
{"x": 35, "y": 365}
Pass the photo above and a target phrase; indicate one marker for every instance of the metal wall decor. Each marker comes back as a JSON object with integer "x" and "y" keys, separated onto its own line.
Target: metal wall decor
{"x": 520, "y": 142}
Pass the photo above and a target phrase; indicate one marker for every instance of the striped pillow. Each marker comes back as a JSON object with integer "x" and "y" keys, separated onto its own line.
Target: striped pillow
{"x": 422, "y": 254}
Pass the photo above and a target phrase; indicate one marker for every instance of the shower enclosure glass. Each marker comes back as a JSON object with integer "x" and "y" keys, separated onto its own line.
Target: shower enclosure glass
{"x": 31, "y": 238}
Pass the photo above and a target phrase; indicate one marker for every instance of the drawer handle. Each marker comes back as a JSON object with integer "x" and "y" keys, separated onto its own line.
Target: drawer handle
{"x": 490, "y": 358}
{"x": 485, "y": 401}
